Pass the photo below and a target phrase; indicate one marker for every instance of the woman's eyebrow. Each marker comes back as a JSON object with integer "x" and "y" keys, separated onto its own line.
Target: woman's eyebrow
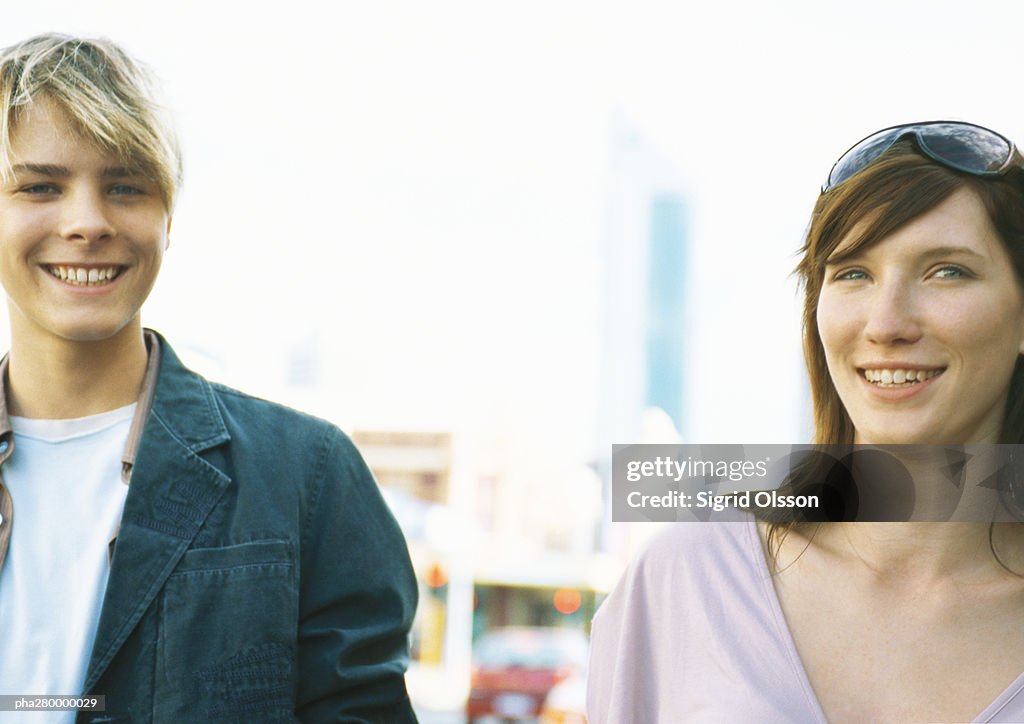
{"x": 936, "y": 252}
{"x": 844, "y": 256}
{"x": 941, "y": 251}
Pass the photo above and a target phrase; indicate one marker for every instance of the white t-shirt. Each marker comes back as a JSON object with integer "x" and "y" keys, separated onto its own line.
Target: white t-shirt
{"x": 64, "y": 477}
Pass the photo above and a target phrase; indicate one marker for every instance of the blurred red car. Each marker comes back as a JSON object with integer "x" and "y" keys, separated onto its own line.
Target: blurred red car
{"x": 514, "y": 669}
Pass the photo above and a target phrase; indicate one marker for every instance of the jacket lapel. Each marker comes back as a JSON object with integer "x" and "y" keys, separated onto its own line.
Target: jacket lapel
{"x": 171, "y": 494}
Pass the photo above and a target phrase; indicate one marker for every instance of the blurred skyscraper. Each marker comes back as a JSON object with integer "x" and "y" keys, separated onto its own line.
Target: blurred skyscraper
{"x": 644, "y": 300}
{"x": 666, "y": 297}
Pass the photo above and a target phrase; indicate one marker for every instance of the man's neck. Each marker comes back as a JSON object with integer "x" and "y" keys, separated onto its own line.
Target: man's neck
{"x": 59, "y": 379}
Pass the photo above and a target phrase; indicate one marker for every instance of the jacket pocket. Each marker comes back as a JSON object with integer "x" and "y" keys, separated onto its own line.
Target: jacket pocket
{"x": 226, "y": 648}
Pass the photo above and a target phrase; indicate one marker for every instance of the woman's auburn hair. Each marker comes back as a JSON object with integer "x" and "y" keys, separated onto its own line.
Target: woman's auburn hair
{"x": 106, "y": 96}
{"x": 897, "y": 188}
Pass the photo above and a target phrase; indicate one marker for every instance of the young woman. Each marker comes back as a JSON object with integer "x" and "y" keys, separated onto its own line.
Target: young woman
{"x": 913, "y": 272}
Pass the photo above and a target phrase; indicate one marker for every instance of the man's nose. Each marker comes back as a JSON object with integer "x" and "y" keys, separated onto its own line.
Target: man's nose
{"x": 85, "y": 217}
{"x": 892, "y": 316}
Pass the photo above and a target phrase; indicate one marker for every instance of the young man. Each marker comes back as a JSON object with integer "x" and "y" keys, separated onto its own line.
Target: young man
{"x": 187, "y": 551}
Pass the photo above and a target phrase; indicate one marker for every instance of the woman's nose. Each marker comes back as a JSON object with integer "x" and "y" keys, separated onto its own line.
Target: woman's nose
{"x": 892, "y": 316}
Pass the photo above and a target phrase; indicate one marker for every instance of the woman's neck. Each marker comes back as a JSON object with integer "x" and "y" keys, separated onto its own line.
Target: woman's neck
{"x": 920, "y": 555}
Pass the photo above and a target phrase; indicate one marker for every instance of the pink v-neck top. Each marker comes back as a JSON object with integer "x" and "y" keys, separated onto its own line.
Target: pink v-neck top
{"x": 694, "y": 633}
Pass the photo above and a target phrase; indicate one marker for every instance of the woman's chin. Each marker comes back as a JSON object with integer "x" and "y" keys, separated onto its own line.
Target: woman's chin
{"x": 898, "y": 435}
{"x": 921, "y": 437}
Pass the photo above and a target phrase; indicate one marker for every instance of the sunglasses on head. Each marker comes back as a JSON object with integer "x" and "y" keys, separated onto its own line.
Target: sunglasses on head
{"x": 960, "y": 146}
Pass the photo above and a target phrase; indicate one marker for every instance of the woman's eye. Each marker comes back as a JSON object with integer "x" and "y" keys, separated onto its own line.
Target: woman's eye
{"x": 851, "y": 275}
{"x": 951, "y": 272}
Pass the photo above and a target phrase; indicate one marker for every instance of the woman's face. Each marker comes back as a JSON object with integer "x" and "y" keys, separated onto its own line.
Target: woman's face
{"x": 921, "y": 331}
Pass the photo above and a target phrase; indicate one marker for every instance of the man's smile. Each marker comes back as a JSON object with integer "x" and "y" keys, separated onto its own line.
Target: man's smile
{"x": 91, "y": 275}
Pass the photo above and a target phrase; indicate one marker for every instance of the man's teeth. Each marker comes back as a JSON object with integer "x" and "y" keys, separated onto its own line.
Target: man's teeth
{"x": 899, "y": 377}
{"x": 80, "y": 276}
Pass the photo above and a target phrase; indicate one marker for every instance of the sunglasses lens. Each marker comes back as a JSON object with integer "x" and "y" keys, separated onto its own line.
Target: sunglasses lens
{"x": 862, "y": 155}
{"x": 967, "y": 148}
{"x": 961, "y": 146}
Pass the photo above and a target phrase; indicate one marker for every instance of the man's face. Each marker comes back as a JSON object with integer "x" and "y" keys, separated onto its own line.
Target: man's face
{"x": 81, "y": 236}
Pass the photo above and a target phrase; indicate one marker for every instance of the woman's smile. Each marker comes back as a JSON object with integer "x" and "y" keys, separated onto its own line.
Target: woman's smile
{"x": 899, "y": 382}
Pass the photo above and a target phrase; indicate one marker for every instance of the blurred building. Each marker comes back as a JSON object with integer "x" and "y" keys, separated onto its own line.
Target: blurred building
{"x": 417, "y": 464}
{"x": 644, "y": 313}
{"x": 664, "y": 322}
{"x": 501, "y": 533}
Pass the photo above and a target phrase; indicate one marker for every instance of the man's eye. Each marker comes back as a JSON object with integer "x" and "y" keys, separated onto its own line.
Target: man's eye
{"x": 125, "y": 190}
{"x": 39, "y": 189}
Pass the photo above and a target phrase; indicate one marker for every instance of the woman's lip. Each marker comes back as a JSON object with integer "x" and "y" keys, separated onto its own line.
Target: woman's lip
{"x": 899, "y": 393}
{"x": 890, "y": 365}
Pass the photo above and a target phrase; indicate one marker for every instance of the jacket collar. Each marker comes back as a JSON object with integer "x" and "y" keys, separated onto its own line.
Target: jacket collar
{"x": 184, "y": 402}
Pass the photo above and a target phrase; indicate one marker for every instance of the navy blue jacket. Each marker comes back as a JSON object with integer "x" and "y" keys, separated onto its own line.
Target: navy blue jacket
{"x": 257, "y": 575}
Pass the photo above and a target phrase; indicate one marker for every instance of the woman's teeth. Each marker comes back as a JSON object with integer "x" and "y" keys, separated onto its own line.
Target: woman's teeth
{"x": 79, "y": 276}
{"x": 899, "y": 377}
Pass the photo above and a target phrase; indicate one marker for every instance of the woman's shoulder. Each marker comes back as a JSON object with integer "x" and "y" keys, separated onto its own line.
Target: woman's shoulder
{"x": 673, "y": 640}
{"x": 693, "y": 544}
{"x": 689, "y": 560}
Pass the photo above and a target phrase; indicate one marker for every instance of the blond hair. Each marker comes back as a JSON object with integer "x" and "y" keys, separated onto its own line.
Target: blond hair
{"x": 105, "y": 94}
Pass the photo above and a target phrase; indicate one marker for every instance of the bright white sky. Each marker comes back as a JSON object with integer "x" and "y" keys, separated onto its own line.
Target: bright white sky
{"x": 426, "y": 181}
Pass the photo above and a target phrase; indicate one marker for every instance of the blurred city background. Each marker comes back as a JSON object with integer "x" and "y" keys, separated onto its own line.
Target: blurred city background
{"x": 491, "y": 240}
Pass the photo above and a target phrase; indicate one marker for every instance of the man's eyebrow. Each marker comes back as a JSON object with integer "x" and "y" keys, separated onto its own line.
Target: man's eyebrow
{"x": 43, "y": 169}
{"x": 120, "y": 172}
{"x": 56, "y": 171}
